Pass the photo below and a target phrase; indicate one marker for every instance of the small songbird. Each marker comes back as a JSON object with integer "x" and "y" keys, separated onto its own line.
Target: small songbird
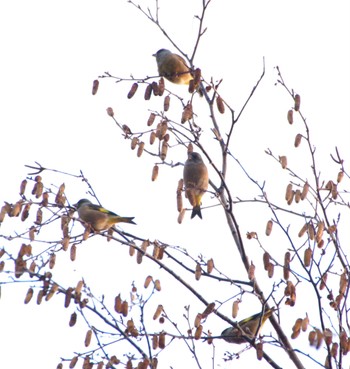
{"x": 196, "y": 181}
{"x": 248, "y": 327}
{"x": 98, "y": 217}
{"x": 173, "y": 67}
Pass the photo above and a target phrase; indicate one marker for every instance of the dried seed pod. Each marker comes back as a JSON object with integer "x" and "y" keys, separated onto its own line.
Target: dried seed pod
{"x": 268, "y": 228}
{"x": 73, "y": 319}
{"x": 152, "y": 137}
{"x": 125, "y": 308}
{"x": 40, "y": 296}
{"x": 45, "y": 200}
{"x": 259, "y": 351}
{"x": 343, "y": 285}
{"x": 73, "y": 252}
{"x": 283, "y": 161}
{"x": 29, "y": 295}
{"x": 95, "y": 85}
{"x": 16, "y": 209}
{"x": 210, "y": 265}
{"x": 220, "y": 105}
{"x": 161, "y": 340}
{"x": 155, "y": 88}
{"x": 148, "y": 280}
{"x": 191, "y": 86}
{"x": 118, "y": 304}
{"x": 23, "y": 187}
{"x": 311, "y": 231}
{"x": 79, "y": 287}
{"x": 343, "y": 342}
{"x": 20, "y": 266}
{"x": 304, "y": 324}
{"x": 164, "y": 150}
{"x": 297, "y": 196}
{"x": 286, "y": 266}
{"x": 25, "y": 212}
{"x": 319, "y": 232}
{"x": 157, "y": 285}
{"x": 305, "y": 191}
{"x": 139, "y": 257}
{"x": 303, "y": 230}
{"x": 296, "y": 102}
{"x": 266, "y": 260}
{"x": 327, "y": 335}
{"x": 110, "y": 112}
{"x": 198, "y": 272}
{"x": 290, "y": 116}
{"x": 334, "y": 191}
{"x": 134, "y": 142}
{"x": 52, "y": 261}
{"x": 181, "y": 216}
{"x": 65, "y": 243}
{"x": 295, "y": 334}
{"x": 289, "y": 192}
{"x": 88, "y": 338}
{"x": 297, "y": 140}
{"x": 155, "y": 342}
{"x": 140, "y": 149}
{"x": 158, "y": 311}
{"x": 161, "y": 86}
{"x": 197, "y": 320}
{"x": 148, "y": 92}
{"x": 189, "y": 148}
{"x": 68, "y": 297}
{"x": 297, "y": 325}
{"x": 163, "y": 127}
{"x": 307, "y": 257}
{"x": 270, "y": 270}
{"x": 331, "y": 229}
{"x": 179, "y": 202}
{"x": 323, "y": 281}
{"x": 251, "y": 271}
{"x": 151, "y": 119}
{"x": 131, "y": 250}
{"x": 39, "y": 217}
{"x": 133, "y": 90}
{"x": 312, "y": 338}
{"x": 73, "y": 362}
{"x": 126, "y": 129}
{"x": 198, "y": 332}
{"x": 60, "y": 199}
{"x": 166, "y": 103}
{"x": 334, "y": 350}
{"x": 340, "y": 176}
{"x": 187, "y": 113}
{"x": 208, "y": 310}
{"x": 319, "y": 339}
{"x": 2, "y": 266}
{"x": 32, "y": 267}
{"x": 2, "y": 252}
{"x": 235, "y": 308}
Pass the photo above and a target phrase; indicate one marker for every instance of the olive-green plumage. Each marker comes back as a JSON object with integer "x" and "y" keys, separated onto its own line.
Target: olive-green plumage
{"x": 98, "y": 217}
{"x": 196, "y": 181}
{"x": 173, "y": 67}
{"x": 248, "y": 327}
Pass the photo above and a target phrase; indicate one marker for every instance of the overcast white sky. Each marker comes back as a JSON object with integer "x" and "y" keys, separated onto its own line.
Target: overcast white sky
{"x": 52, "y": 51}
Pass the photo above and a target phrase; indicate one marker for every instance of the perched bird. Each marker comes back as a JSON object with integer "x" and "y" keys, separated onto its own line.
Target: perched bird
{"x": 173, "y": 67}
{"x": 196, "y": 181}
{"x": 248, "y": 327}
{"x": 98, "y": 217}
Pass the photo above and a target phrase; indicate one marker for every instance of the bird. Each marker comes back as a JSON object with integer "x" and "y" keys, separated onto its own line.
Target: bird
{"x": 173, "y": 67}
{"x": 98, "y": 217}
{"x": 196, "y": 181}
{"x": 248, "y": 327}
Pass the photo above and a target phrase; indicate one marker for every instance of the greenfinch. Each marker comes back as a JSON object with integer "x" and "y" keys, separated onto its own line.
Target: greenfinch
{"x": 248, "y": 327}
{"x": 173, "y": 67}
{"x": 196, "y": 181}
{"x": 98, "y": 217}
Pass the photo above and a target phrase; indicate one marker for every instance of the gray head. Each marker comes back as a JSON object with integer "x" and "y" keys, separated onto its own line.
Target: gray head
{"x": 195, "y": 157}
{"x": 82, "y": 202}
{"x": 162, "y": 52}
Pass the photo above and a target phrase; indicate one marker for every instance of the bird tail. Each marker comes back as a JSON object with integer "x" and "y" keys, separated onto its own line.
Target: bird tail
{"x": 196, "y": 211}
{"x": 125, "y": 220}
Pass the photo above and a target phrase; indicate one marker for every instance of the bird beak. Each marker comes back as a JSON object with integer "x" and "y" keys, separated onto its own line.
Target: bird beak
{"x": 154, "y": 55}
